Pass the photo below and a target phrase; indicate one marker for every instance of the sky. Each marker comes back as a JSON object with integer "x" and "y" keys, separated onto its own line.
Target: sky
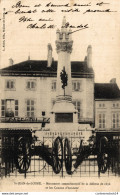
{"x": 103, "y": 34}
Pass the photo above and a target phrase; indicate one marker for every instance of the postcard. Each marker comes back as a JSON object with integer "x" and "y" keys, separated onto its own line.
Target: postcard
{"x": 60, "y": 96}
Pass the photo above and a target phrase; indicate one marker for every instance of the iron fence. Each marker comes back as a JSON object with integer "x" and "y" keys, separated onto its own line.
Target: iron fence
{"x": 40, "y": 165}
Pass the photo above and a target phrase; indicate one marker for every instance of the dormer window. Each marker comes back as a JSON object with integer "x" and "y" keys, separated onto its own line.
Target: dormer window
{"x": 10, "y": 85}
{"x": 76, "y": 85}
{"x": 31, "y": 85}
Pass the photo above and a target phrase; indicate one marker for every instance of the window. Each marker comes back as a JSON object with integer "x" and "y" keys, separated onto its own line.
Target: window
{"x": 115, "y": 105}
{"x": 76, "y": 86}
{"x": 77, "y": 107}
{"x": 102, "y": 105}
{"x": 31, "y": 85}
{"x": 102, "y": 120}
{"x": 115, "y": 120}
{"x": 30, "y": 108}
{"x": 9, "y": 108}
{"x": 10, "y": 84}
{"x": 43, "y": 113}
{"x": 53, "y": 86}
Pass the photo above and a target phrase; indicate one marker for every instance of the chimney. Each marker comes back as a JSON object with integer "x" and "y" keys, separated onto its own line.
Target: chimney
{"x": 89, "y": 56}
{"x": 29, "y": 56}
{"x": 113, "y": 80}
{"x": 11, "y": 62}
{"x": 85, "y": 59}
{"x": 49, "y": 58}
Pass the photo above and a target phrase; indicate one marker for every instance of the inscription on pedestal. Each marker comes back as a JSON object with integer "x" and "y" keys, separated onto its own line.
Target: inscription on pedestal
{"x": 64, "y": 117}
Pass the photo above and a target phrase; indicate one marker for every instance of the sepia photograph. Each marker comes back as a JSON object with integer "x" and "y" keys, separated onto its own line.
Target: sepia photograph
{"x": 59, "y": 96}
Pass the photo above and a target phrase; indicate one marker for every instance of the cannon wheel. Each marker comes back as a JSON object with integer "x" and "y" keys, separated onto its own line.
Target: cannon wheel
{"x": 103, "y": 144}
{"x": 57, "y": 155}
{"x": 23, "y": 154}
{"x": 67, "y": 156}
{"x": 103, "y": 162}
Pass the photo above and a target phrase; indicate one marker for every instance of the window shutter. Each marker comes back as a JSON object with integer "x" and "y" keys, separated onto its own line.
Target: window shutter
{"x": 2, "y": 108}
{"x": 55, "y": 85}
{"x": 16, "y": 108}
{"x": 8, "y": 85}
{"x": 12, "y": 85}
{"x": 32, "y": 85}
{"x": 74, "y": 86}
{"x": 78, "y": 86}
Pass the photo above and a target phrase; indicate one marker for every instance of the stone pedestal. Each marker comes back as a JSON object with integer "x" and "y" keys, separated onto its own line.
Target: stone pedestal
{"x": 64, "y": 117}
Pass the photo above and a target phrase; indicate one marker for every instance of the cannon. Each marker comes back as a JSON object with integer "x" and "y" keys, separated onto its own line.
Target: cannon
{"x": 61, "y": 153}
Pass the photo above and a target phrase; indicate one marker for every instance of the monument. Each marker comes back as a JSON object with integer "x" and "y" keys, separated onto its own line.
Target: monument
{"x": 64, "y": 116}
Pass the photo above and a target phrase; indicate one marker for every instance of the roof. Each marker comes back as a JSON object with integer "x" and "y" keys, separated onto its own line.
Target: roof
{"x": 106, "y": 91}
{"x": 40, "y": 66}
{"x": 31, "y": 65}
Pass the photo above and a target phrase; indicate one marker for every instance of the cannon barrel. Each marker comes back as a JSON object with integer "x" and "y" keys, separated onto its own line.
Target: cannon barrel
{"x": 84, "y": 152}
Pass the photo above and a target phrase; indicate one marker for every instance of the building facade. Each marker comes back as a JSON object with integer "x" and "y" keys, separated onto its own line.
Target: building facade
{"x": 28, "y": 90}
{"x": 29, "y": 95}
{"x": 107, "y": 106}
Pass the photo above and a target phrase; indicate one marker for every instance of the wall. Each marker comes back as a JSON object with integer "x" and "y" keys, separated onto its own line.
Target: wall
{"x": 108, "y": 108}
{"x": 22, "y": 94}
{"x": 44, "y": 95}
{"x": 86, "y": 97}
